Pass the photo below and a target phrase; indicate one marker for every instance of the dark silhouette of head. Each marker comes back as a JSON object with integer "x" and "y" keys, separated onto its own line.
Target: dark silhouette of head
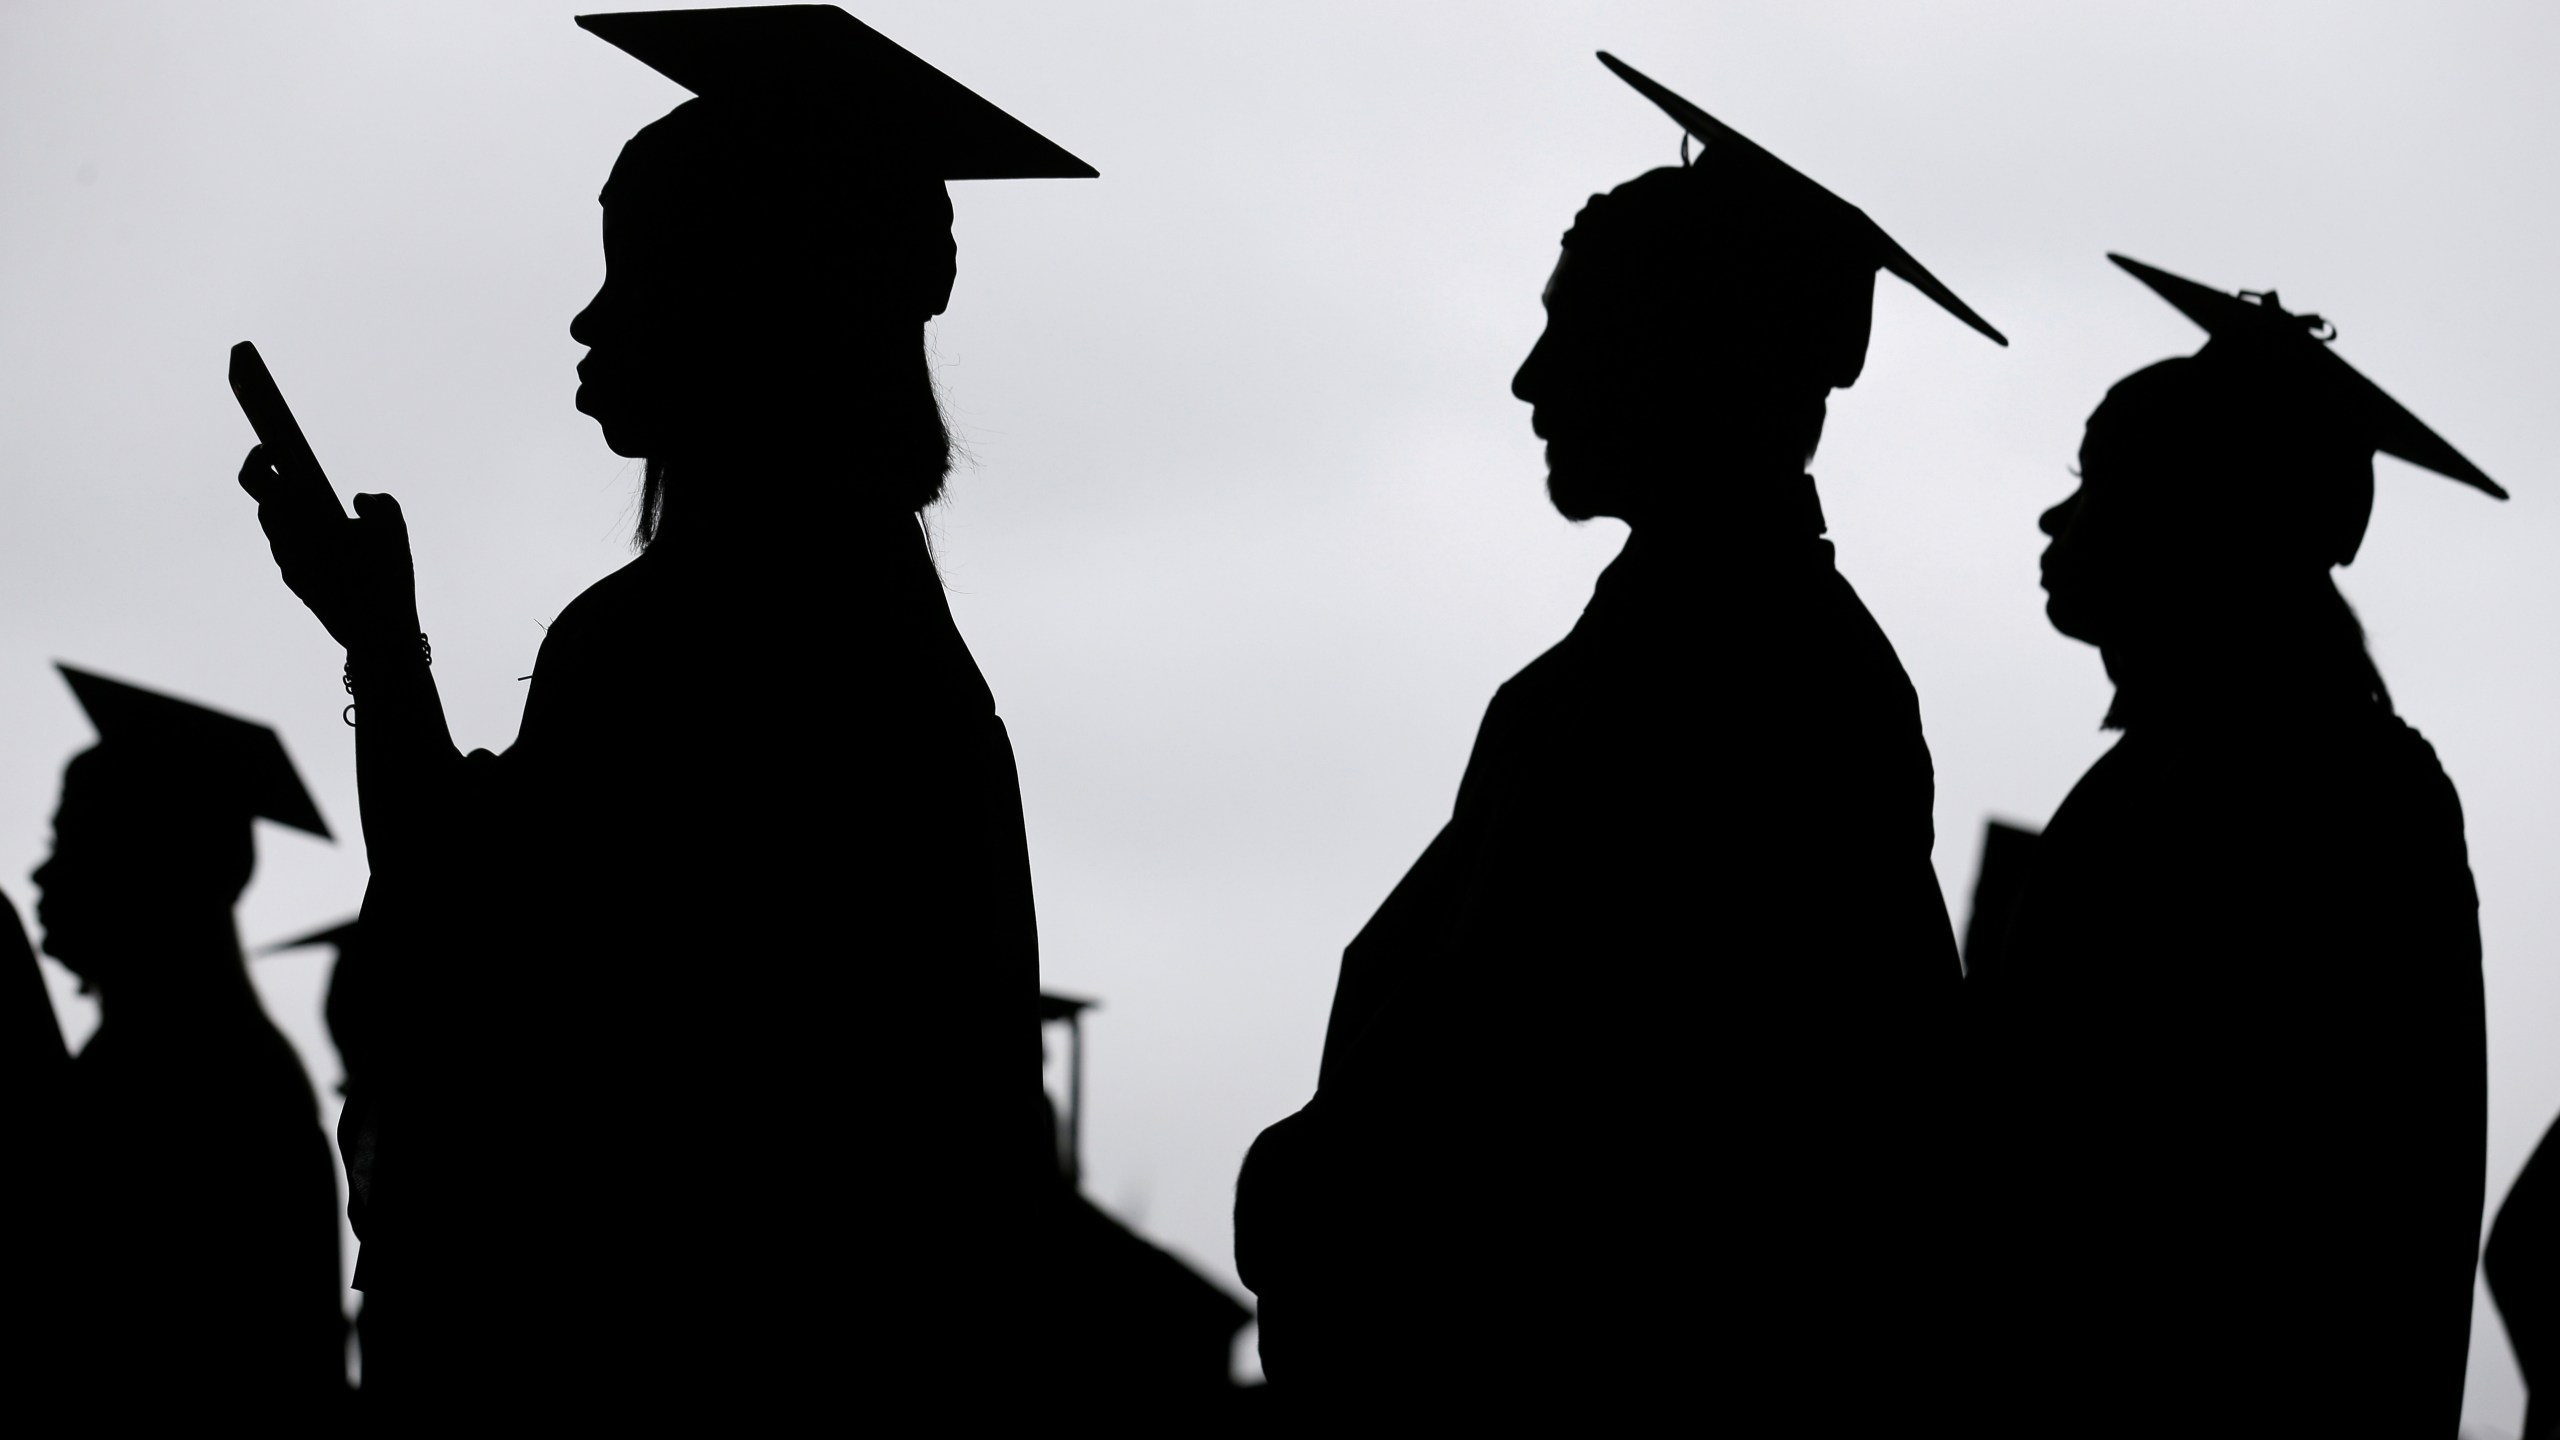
{"x": 152, "y": 842}
{"x": 2218, "y": 490}
{"x": 765, "y": 297}
{"x": 1696, "y": 325}
{"x": 1695, "y": 328}
{"x": 147, "y": 857}
{"x": 2209, "y": 488}
{"x": 773, "y": 250}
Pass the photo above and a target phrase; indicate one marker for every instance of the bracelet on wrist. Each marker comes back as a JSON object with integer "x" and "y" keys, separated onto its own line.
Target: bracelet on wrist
{"x": 347, "y": 675}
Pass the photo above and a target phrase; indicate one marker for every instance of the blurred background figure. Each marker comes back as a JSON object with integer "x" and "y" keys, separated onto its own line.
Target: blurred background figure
{"x": 1692, "y": 851}
{"x": 2523, "y": 1265}
{"x": 774, "y": 250}
{"x": 1134, "y": 1335}
{"x": 193, "y": 1227}
{"x": 355, "y": 1019}
{"x": 2243, "y": 1056}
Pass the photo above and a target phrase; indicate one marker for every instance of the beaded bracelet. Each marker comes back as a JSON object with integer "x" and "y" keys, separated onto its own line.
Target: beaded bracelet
{"x": 347, "y": 677}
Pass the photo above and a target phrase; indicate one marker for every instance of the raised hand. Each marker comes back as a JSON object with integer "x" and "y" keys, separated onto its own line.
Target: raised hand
{"x": 355, "y": 574}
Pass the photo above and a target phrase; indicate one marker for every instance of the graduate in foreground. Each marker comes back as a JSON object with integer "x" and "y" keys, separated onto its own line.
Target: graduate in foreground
{"x": 2238, "y": 1021}
{"x": 1687, "y": 873}
{"x": 761, "y": 743}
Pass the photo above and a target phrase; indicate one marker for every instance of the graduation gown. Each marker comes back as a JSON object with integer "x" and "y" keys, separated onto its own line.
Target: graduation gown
{"x": 194, "y": 1240}
{"x": 2245, "y": 1073}
{"x": 707, "y": 990}
{"x": 1621, "y": 1085}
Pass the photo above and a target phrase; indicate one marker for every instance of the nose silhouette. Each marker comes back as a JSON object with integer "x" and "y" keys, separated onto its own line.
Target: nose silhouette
{"x": 2058, "y": 519}
{"x": 1525, "y": 382}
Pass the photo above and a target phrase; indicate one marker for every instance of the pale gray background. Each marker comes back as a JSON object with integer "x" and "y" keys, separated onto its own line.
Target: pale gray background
{"x": 1253, "y": 527}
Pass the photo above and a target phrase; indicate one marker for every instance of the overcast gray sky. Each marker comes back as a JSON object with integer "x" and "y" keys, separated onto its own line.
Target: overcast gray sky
{"x": 1253, "y": 527}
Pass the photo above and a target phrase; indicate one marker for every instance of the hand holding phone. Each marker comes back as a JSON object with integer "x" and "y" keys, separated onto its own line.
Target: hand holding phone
{"x": 303, "y": 489}
{"x": 353, "y": 573}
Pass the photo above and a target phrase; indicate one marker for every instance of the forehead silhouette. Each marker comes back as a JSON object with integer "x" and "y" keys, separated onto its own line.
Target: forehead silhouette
{"x": 827, "y": 68}
{"x": 231, "y": 768}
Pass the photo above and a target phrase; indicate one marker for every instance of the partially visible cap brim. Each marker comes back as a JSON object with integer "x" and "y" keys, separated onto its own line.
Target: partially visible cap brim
{"x": 1888, "y": 253}
{"x": 2394, "y": 430}
{"x": 915, "y": 116}
{"x": 1062, "y": 1007}
{"x": 339, "y": 934}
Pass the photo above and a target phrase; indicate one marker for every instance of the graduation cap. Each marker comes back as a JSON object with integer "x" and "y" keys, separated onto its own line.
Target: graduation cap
{"x": 819, "y": 59}
{"x": 2253, "y": 328}
{"x": 1847, "y": 223}
{"x": 230, "y": 764}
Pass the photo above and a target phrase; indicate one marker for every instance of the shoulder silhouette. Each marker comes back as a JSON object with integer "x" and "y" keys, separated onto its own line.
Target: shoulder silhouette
{"x": 1688, "y": 868}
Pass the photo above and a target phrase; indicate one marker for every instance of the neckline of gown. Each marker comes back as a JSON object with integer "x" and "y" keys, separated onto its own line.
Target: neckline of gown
{"x": 1661, "y": 566}
{"x": 2303, "y": 699}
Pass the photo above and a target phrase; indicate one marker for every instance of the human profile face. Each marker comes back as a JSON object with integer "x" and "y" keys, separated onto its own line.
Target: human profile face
{"x": 65, "y": 903}
{"x": 135, "y": 862}
{"x": 711, "y": 335}
{"x": 2119, "y": 566}
{"x": 83, "y": 915}
{"x": 643, "y": 334}
{"x": 1593, "y": 399}
{"x": 1641, "y": 401}
{"x": 2072, "y": 569}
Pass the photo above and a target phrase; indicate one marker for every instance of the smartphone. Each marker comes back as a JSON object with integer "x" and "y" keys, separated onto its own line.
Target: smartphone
{"x": 263, "y": 403}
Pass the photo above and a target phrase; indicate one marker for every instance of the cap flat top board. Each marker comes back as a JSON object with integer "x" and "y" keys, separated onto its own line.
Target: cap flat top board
{"x": 819, "y": 56}
{"x": 2292, "y": 339}
{"x": 1889, "y": 255}
{"x": 242, "y": 763}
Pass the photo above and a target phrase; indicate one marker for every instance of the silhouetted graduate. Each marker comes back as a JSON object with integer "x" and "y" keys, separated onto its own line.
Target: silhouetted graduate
{"x": 758, "y": 760}
{"x": 1621, "y": 1099}
{"x": 194, "y": 1243}
{"x": 2244, "y": 1058}
{"x": 2523, "y": 1267}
